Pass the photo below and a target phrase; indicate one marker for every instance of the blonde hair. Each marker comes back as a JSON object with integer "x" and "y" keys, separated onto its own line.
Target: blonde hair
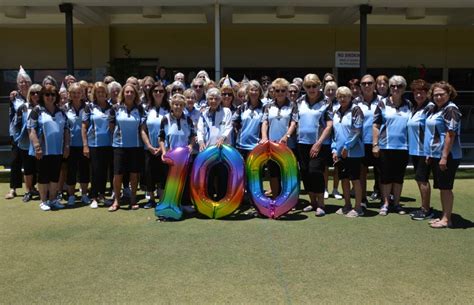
{"x": 96, "y": 86}
{"x": 178, "y": 98}
{"x": 280, "y": 82}
{"x": 343, "y": 91}
{"x": 311, "y": 79}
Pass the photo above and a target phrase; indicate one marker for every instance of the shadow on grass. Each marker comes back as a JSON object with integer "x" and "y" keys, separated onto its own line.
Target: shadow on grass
{"x": 461, "y": 223}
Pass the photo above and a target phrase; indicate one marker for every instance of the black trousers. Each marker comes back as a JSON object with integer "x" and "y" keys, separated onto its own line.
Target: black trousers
{"x": 155, "y": 172}
{"x": 16, "y": 176}
{"x": 101, "y": 159}
{"x": 77, "y": 163}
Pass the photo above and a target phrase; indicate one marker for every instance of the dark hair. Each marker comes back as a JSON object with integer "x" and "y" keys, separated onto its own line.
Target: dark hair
{"x": 355, "y": 82}
{"x": 164, "y": 103}
{"x": 49, "y": 89}
{"x": 446, "y": 87}
{"x": 419, "y": 84}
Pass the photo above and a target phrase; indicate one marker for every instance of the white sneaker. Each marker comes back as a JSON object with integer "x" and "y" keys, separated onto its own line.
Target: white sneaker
{"x": 94, "y": 204}
{"x": 85, "y": 199}
{"x": 56, "y": 204}
{"x": 44, "y": 206}
{"x": 309, "y": 208}
{"x": 147, "y": 195}
{"x": 326, "y": 194}
{"x": 336, "y": 194}
{"x": 71, "y": 201}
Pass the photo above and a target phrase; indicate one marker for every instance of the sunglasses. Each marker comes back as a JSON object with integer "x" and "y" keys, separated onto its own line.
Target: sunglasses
{"x": 367, "y": 83}
{"x": 280, "y": 90}
{"x": 159, "y": 91}
{"x": 197, "y": 86}
{"x": 227, "y": 94}
{"x": 34, "y": 93}
{"x": 48, "y": 94}
{"x": 293, "y": 91}
{"x": 311, "y": 86}
{"x": 396, "y": 86}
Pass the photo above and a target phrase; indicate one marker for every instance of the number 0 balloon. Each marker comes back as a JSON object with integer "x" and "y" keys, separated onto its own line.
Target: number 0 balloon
{"x": 170, "y": 206}
{"x": 290, "y": 187}
{"x": 204, "y": 161}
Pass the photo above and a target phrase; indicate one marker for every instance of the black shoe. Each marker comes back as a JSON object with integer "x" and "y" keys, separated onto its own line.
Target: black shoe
{"x": 27, "y": 197}
{"x": 422, "y": 214}
{"x": 35, "y": 192}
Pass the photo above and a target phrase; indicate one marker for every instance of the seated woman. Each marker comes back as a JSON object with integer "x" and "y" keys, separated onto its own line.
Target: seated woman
{"x": 348, "y": 150}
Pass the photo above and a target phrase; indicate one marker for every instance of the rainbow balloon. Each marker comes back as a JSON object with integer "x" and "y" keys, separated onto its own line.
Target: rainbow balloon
{"x": 170, "y": 204}
{"x": 284, "y": 157}
{"x": 204, "y": 161}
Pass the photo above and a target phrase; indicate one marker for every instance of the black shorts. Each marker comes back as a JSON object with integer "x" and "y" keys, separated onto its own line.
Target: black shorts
{"x": 422, "y": 170}
{"x": 29, "y": 163}
{"x": 368, "y": 159}
{"x": 444, "y": 180}
{"x": 77, "y": 165}
{"x": 393, "y": 164}
{"x": 326, "y": 155}
{"x": 48, "y": 169}
{"x": 349, "y": 168}
{"x": 128, "y": 160}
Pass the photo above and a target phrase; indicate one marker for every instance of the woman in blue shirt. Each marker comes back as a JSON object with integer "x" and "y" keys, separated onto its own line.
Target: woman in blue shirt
{"x": 368, "y": 102}
{"x": 416, "y": 135}
{"x": 247, "y": 119}
{"x": 348, "y": 149}
{"x": 77, "y": 162}
{"x": 20, "y": 136}
{"x": 278, "y": 125}
{"x": 125, "y": 119}
{"x": 17, "y": 98}
{"x": 155, "y": 170}
{"x": 177, "y": 130}
{"x": 314, "y": 128}
{"x": 443, "y": 146}
{"x": 390, "y": 142}
{"x": 49, "y": 136}
{"x": 97, "y": 141}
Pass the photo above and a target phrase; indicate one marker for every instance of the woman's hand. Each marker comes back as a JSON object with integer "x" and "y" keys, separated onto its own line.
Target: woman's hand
{"x": 86, "y": 152}
{"x": 153, "y": 150}
{"x": 335, "y": 158}
{"x": 263, "y": 140}
{"x": 220, "y": 142}
{"x": 344, "y": 153}
{"x": 284, "y": 140}
{"x": 443, "y": 164}
{"x": 38, "y": 153}
{"x": 202, "y": 146}
{"x": 376, "y": 151}
{"x": 315, "y": 149}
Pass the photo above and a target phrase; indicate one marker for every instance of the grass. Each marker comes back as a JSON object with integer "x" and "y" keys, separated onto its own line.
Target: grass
{"x": 85, "y": 256}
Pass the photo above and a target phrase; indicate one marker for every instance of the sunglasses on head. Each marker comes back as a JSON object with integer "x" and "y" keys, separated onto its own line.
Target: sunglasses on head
{"x": 396, "y": 86}
{"x": 48, "y": 94}
{"x": 158, "y": 91}
{"x": 280, "y": 90}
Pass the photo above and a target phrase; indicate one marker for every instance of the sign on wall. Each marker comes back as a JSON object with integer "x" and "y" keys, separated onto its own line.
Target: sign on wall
{"x": 347, "y": 59}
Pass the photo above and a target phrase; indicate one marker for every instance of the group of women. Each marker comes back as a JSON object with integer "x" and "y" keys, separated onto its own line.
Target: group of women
{"x": 106, "y": 132}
